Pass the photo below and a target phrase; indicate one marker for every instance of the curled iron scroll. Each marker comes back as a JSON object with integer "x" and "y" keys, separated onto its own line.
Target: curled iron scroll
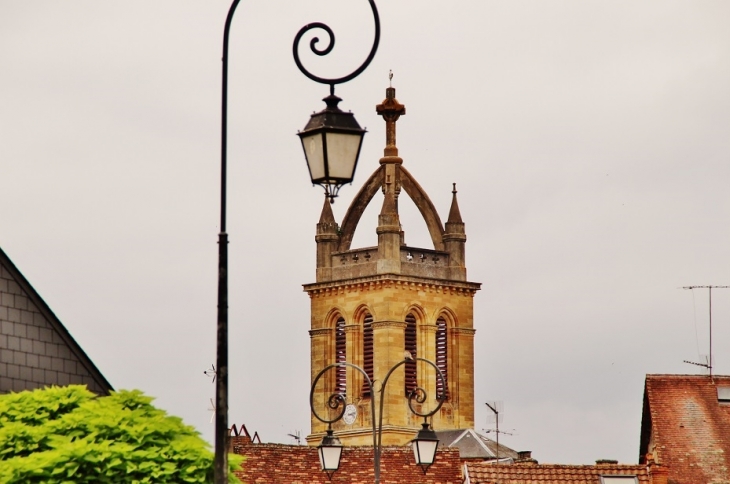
{"x": 336, "y": 400}
{"x": 419, "y": 395}
{"x": 330, "y": 45}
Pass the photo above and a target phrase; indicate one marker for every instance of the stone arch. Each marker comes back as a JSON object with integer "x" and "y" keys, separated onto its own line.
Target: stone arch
{"x": 358, "y": 206}
{"x": 332, "y": 315}
{"x": 420, "y": 313}
{"x": 448, "y": 314}
{"x": 425, "y": 206}
{"x": 414, "y": 191}
{"x": 360, "y": 312}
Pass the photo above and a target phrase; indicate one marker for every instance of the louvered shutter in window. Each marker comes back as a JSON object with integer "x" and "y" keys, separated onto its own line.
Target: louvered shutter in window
{"x": 367, "y": 352}
{"x": 442, "y": 354}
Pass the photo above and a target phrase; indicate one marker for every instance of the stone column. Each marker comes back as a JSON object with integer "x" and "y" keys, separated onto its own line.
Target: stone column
{"x": 426, "y": 374}
{"x": 321, "y": 356}
{"x": 388, "y": 344}
{"x": 461, "y": 348}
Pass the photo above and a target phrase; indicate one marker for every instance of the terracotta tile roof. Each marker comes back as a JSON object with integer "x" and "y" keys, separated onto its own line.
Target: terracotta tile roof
{"x": 299, "y": 464}
{"x": 488, "y": 473}
{"x": 686, "y": 428}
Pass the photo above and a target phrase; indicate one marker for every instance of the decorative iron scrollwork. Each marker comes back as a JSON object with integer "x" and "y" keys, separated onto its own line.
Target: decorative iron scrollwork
{"x": 330, "y": 45}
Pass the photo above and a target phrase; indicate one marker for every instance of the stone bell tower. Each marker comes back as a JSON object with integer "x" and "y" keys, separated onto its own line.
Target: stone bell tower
{"x": 371, "y": 305}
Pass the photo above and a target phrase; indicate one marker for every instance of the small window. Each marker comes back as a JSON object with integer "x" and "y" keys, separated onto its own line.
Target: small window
{"x": 619, "y": 480}
{"x": 723, "y": 394}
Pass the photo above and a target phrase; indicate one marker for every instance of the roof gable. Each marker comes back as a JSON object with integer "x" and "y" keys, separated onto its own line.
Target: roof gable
{"x": 686, "y": 427}
{"x": 36, "y": 349}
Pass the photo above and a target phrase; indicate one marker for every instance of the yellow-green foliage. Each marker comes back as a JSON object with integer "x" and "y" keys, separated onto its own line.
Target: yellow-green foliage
{"x": 65, "y": 435}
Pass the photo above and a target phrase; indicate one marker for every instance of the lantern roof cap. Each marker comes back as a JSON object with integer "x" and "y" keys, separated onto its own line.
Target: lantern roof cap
{"x": 333, "y": 117}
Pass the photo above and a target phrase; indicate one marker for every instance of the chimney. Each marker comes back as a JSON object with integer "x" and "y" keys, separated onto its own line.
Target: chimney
{"x": 525, "y": 457}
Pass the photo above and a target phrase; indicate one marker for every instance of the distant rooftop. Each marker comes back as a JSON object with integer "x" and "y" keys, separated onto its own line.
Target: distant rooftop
{"x": 686, "y": 426}
{"x": 493, "y": 473}
{"x": 473, "y": 445}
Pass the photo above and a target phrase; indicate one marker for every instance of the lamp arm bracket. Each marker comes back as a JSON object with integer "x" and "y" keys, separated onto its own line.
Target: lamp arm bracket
{"x": 330, "y": 45}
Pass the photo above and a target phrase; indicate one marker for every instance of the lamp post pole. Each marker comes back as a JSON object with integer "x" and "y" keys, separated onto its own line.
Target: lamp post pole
{"x": 338, "y": 402}
{"x": 331, "y": 184}
{"x": 220, "y": 467}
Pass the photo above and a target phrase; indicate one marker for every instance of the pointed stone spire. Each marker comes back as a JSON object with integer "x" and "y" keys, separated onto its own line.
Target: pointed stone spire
{"x": 455, "y": 241}
{"x": 327, "y": 217}
{"x": 327, "y": 239}
{"x": 454, "y": 213}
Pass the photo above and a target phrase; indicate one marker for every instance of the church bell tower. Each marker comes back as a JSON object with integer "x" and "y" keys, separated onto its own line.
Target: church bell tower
{"x": 371, "y": 306}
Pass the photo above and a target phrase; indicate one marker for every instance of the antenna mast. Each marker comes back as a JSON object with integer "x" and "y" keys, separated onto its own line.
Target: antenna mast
{"x": 496, "y": 420}
{"x": 710, "y": 288}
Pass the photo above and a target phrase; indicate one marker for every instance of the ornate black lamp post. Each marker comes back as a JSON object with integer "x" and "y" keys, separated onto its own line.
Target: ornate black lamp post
{"x": 424, "y": 444}
{"x": 331, "y": 143}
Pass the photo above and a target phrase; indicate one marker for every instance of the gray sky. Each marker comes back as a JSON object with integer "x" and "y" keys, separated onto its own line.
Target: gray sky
{"x": 589, "y": 141}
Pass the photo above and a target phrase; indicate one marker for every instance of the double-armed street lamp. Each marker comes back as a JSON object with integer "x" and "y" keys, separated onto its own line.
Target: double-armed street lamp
{"x": 424, "y": 444}
{"x": 331, "y": 142}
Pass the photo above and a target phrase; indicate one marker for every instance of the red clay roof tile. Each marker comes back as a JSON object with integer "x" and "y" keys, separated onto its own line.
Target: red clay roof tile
{"x": 295, "y": 464}
{"x": 488, "y": 473}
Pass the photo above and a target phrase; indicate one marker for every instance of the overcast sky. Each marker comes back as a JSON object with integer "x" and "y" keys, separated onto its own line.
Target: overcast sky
{"x": 589, "y": 141}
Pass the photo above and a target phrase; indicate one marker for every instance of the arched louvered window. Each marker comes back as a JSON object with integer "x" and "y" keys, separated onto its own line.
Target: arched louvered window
{"x": 411, "y": 379}
{"x": 367, "y": 352}
{"x": 340, "y": 356}
{"x": 442, "y": 357}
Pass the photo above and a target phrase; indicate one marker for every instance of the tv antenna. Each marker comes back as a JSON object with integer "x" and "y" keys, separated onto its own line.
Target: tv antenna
{"x": 497, "y": 408}
{"x": 708, "y": 364}
{"x": 297, "y": 435}
{"x": 210, "y": 372}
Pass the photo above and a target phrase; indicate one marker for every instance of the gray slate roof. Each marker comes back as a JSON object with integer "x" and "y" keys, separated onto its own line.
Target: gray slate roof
{"x": 36, "y": 349}
{"x": 473, "y": 445}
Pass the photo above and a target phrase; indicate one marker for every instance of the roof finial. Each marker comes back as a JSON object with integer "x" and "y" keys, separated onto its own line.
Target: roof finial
{"x": 390, "y": 109}
{"x": 454, "y": 190}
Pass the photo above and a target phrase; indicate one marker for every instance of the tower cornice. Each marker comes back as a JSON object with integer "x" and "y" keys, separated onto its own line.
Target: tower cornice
{"x": 383, "y": 280}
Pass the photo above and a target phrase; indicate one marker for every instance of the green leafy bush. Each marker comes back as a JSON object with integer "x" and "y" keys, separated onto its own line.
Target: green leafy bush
{"x": 68, "y": 435}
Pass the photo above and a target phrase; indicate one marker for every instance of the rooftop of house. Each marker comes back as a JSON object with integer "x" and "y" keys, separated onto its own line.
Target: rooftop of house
{"x": 299, "y": 464}
{"x": 36, "y": 349}
{"x": 530, "y": 472}
{"x": 686, "y": 426}
{"x": 473, "y": 445}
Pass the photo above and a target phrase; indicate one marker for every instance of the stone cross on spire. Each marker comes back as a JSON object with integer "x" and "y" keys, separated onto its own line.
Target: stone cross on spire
{"x": 390, "y": 109}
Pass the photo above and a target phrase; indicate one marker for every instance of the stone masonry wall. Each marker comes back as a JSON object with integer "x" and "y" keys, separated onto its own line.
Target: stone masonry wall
{"x": 389, "y": 300}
